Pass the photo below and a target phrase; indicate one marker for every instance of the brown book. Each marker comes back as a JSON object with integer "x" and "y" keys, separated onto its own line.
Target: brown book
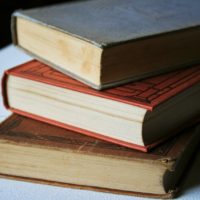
{"x": 39, "y": 152}
{"x": 107, "y": 43}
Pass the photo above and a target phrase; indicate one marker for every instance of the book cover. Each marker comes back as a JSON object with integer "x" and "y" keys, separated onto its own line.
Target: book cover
{"x": 24, "y": 132}
{"x": 147, "y": 93}
{"x": 105, "y": 44}
{"x": 106, "y": 23}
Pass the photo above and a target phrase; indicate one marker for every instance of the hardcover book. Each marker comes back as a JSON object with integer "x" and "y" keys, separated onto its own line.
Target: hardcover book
{"x": 107, "y": 43}
{"x": 137, "y": 115}
{"x": 39, "y": 152}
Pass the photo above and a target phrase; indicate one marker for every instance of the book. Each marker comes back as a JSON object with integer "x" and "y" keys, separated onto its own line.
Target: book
{"x": 107, "y": 43}
{"x": 137, "y": 115}
{"x": 39, "y": 152}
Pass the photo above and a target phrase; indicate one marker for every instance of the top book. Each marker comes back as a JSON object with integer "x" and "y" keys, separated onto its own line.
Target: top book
{"x": 107, "y": 43}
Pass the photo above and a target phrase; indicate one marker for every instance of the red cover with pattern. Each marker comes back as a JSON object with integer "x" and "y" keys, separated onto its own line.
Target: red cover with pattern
{"x": 147, "y": 93}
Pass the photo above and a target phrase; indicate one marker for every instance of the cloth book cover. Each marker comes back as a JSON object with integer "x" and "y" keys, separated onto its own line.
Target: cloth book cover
{"x": 109, "y": 43}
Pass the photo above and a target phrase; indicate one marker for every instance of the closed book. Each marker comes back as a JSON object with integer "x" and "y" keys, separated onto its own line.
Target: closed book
{"x": 107, "y": 43}
{"x": 39, "y": 152}
{"x": 137, "y": 115}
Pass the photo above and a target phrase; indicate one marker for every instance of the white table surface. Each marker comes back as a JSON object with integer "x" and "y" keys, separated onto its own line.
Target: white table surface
{"x": 15, "y": 190}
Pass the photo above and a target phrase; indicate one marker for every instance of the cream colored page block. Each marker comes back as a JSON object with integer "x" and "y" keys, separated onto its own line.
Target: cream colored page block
{"x": 65, "y": 51}
{"x": 81, "y": 169}
{"x": 116, "y": 124}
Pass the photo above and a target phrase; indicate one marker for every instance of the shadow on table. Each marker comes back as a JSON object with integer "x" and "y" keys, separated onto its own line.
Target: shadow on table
{"x": 191, "y": 177}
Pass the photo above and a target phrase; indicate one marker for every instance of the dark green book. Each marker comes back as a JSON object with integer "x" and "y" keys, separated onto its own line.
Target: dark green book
{"x": 107, "y": 43}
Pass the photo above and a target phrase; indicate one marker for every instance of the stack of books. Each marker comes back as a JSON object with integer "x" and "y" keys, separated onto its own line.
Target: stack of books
{"x": 111, "y": 101}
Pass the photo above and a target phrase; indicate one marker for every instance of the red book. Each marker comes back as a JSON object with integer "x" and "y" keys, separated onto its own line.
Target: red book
{"x": 137, "y": 115}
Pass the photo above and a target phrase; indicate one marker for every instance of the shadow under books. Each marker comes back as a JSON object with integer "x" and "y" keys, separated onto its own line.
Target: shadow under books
{"x": 191, "y": 178}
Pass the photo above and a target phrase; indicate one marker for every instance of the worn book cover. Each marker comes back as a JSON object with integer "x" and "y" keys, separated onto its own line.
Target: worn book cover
{"x": 106, "y": 43}
{"x": 29, "y": 150}
{"x": 106, "y": 23}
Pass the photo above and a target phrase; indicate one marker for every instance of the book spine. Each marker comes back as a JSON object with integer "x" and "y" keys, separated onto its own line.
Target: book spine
{"x": 4, "y": 90}
{"x": 14, "y": 28}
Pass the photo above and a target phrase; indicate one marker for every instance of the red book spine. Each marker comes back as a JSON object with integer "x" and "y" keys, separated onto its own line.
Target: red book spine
{"x": 4, "y": 90}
